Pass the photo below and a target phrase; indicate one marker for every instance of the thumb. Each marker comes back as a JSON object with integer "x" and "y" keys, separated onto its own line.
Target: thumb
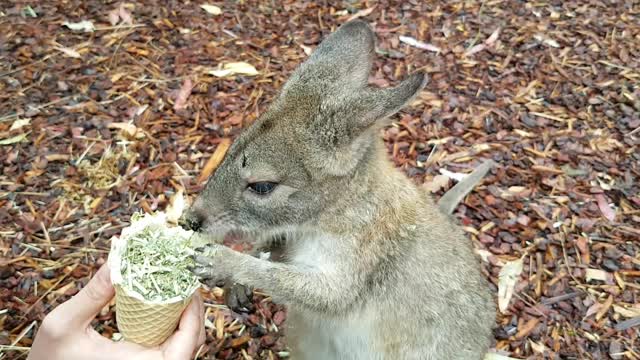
{"x": 182, "y": 344}
{"x": 83, "y": 307}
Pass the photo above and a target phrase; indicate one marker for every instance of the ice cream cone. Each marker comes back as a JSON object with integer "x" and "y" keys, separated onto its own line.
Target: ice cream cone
{"x": 144, "y": 323}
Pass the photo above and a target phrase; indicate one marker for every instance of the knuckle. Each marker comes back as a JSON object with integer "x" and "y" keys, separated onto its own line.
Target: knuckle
{"x": 52, "y": 327}
{"x": 94, "y": 293}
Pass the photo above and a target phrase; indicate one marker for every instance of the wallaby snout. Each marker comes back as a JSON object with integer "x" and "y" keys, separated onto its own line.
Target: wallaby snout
{"x": 191, "y": 220}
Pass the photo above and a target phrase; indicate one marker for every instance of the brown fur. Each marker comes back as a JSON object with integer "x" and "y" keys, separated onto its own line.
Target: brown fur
{"x": 371, "y": 268}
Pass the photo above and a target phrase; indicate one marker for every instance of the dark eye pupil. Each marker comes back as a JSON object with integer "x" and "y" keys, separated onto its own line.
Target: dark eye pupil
{"x": 262, "y": 188}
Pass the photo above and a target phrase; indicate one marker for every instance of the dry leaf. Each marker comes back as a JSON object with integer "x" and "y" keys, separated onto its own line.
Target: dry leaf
{"x": 14, "y": 139}
{"x": 475, "y": 49}
{"x": 120, "y": 15}
{"x": 605, "y": 308}
{"x": 484, "y": 254}
{"x": 28, "y": 10}
{"x": 130, "y": 129}
{"x": 486, "y": 44}
{"x": 208, "y": 323}
{"x": 113, "y": 17}
{"x": 117, "y": 76}
{"x": 475, "y": 150}
{"x": 438, "y": 182}
{"x": 494, "y": 356}
{"x": 125, "y": 16}
{"x": 307, "y": 50}
{"x": 605, "y": 182}
{"x": 516, "y": 189}
{"x": 593, "y": 309}
{"x": 215, "y": 159}
{"x": 211, "y": 9}
{"x": 176, "y": 207}
{"x": 605, "y": 208}
{"x": 597, "y": 274}
{"x": 183, "y": 94}
{"x": 19, "y": 123}
{"x": 84, "y": 25}
{"x": 453, "y": 175}
{"x": 69, "y": 52}
{"x": 234, "y": 68}
{"x": 141, "y": 109}
{"x": 509, "y": 275}
{"x": 493, "y": 37}
{"x": 537, "y": 347}
{"x": 629, "y": 312}
{"x": 419, "y": 44}
{"x": 546, "y": 40}
{"x": 525, "y": 329}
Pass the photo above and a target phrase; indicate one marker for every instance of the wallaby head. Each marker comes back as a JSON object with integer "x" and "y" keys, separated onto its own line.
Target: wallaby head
{"x": 293, "y": 160}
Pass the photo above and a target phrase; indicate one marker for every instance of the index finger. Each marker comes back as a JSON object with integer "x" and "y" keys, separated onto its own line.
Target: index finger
{"x": 83, "y": 307}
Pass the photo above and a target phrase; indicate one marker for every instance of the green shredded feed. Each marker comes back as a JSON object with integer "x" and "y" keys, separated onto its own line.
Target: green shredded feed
{"x": 156, "y": 265}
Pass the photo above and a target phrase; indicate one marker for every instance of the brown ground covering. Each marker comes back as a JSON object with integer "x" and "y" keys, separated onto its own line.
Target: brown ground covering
{"x": 94, "y": 125}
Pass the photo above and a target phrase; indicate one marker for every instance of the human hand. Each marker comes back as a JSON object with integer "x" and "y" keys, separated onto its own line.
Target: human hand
{"x": 66, "y": 333}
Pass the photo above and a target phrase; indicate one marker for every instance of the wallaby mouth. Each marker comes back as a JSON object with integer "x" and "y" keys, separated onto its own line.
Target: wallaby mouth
{"x": 236, "y": 235}
{"x": 237, "y": 239}
{"x": 229, "y": 235}
{"x": 224, "y": 229}
{"x": 217, "y": 226}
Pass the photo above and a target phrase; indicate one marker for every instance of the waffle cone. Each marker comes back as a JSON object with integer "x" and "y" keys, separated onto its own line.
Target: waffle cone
{"x": 146, "y": 324}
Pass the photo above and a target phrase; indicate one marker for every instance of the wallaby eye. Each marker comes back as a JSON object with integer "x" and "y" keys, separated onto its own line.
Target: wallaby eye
{"x": 262, "y": 187}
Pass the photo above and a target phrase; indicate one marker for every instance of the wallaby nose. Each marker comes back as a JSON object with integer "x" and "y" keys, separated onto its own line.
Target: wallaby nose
{"x": 191, "y": 220}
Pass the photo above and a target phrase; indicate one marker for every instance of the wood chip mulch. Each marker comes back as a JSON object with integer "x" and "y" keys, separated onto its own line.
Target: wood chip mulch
{"x": 97, "y": 124}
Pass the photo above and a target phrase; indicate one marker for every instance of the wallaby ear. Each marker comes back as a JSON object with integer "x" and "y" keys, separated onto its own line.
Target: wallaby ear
{"x": 382, "y": 103}
{"x": 341, "y": 62}
{"x": 343, "y": 130}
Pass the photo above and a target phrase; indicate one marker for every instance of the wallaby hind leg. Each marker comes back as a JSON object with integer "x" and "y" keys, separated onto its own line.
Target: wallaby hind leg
{"x": 238, "y": 297}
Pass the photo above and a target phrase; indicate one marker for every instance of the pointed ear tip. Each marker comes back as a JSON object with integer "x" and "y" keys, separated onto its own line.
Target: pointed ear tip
{"x": 357, "y": 24}
{"x": 358, "y": 28}
{"x": 421, "y": 76}
{"x": 419, "y": 80}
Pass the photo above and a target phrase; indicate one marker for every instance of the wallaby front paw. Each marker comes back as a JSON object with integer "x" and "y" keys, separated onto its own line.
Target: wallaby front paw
{"x": 211, "y": 263}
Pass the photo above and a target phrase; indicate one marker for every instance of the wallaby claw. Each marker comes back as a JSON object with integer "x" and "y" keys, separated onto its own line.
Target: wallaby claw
{"x": 201, "y": 272}
{"x": 211, "y": 263}
{"x": 203, "y": 260}
{"x": 205, "y": 255}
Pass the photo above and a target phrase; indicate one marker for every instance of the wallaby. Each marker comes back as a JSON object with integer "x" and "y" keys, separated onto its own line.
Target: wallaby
{"x": 370, "y": 268}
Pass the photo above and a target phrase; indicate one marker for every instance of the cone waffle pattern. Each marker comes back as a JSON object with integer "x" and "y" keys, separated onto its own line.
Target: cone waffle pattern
{"x": 146, "y": 324}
